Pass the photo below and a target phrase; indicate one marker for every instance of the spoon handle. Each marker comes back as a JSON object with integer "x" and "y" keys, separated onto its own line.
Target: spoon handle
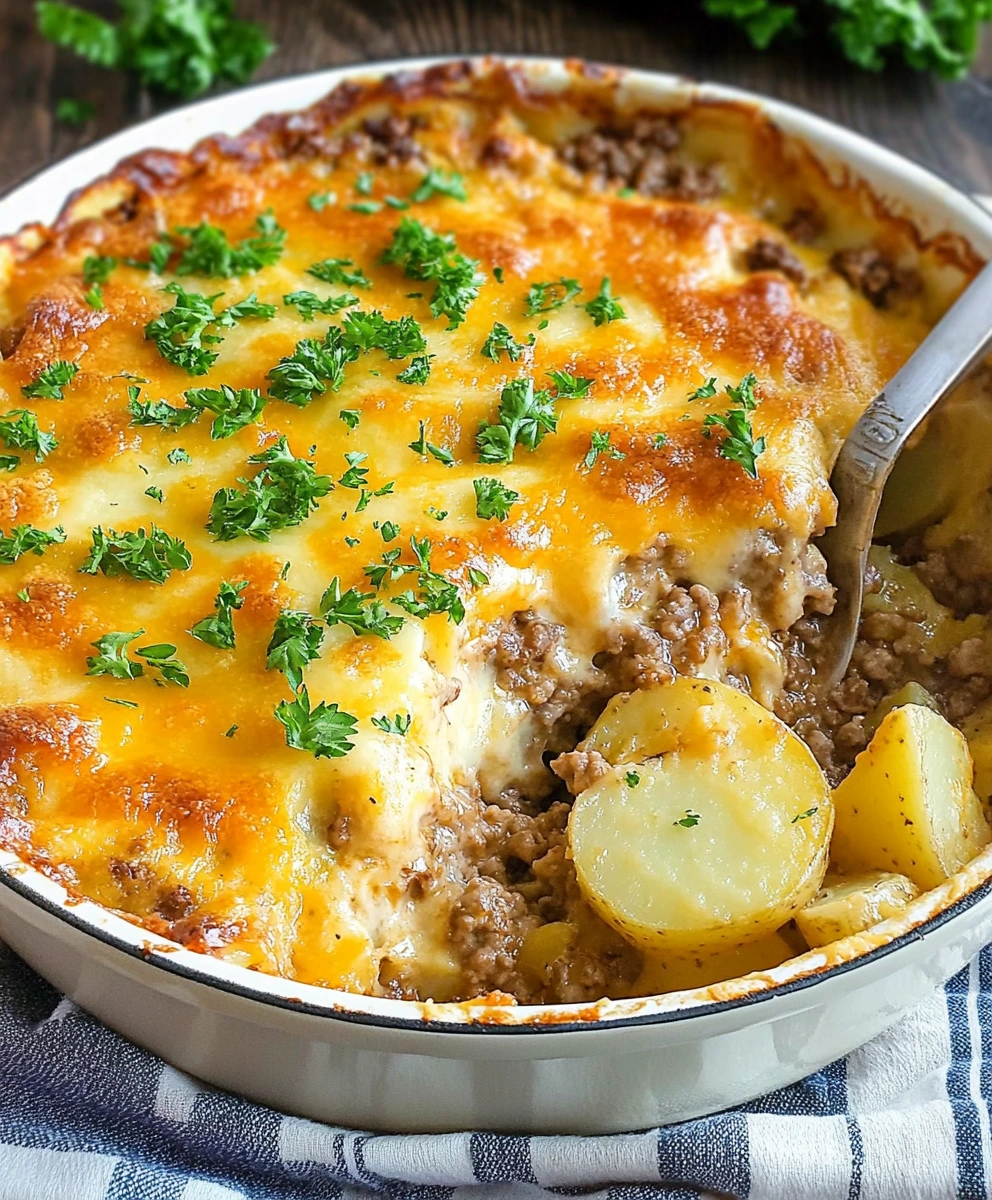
{"x": 868, "y": 455}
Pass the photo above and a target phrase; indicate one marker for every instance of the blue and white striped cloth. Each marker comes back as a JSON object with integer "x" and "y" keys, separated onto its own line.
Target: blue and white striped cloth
{"x": 84, "y": 1115}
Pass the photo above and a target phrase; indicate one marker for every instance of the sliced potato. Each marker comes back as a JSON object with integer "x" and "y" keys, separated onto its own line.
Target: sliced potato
{"x": 543, "y": 946}
{"x": 851, "y": 904}
{"x": 714, "y": 834}
{"x": 909, "y": 693}
{"x": 977, "y": 730}
{"x": 673, "y": 973}
{"x": 908, "y": 804}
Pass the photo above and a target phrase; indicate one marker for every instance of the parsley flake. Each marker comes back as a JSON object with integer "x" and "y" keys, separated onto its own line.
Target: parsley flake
{"x": 111, "y": 656}
{"x": 71, "y": 111}
{"x": 19, "y": 430}
{"x": 659, "y": 440}
{"x": 423, "y": 447}
{"x": 178, "y": 456}
{"x": 162, "y": 657}
{"x": 600, "y": 444}
{"x": 525, "y": 418}
{"x": 437, "y": 183}
{"x": 705, "y": 390}
{"x": 804, "y": 815}
{"x": 51, "y": 381}
{"x": 424, "y": 254}
{"x": 493, "y": 499}
{"x": 351, "y": 417}
{"x": 295, "y": 643}
{"x": 689, "y": 820}
{"x": 632, "y": 779}
{"x": 283, "y": 493}
{"x": 364, "y": 183}
{"x": 312, "y": 368}
{"x": 150, "y": 557}
{"x": 211, "y": 254}
{"x": 157, "y": 412}
{"x": 310, "y": 304}
{"x": 739, "y": 443}
{"x": 323, "y": 731}
{"x": 418, "y": 372}
{"x": 399, "y": 724}
{"x": 155, "y": 493}
{"x": 359, "y": 611}
{"x": 569, "y": 386}
{"x": 604, "y": 307}
{"x": 232, "y": 409}
{"x": 318, "y": 201}
{"x": 543, "y": 297}
{"x": 25, "y": 539}
{"x": 218, "y": 629}
{"x": 334, "y": 270}
{"x": 501, "y": 340}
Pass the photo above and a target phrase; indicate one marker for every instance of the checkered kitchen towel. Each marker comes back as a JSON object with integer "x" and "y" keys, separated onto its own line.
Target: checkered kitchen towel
{"x": 84, "y": 1115}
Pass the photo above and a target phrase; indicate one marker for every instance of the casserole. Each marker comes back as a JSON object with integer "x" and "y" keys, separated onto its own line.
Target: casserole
{"x": 540, "y": 1070}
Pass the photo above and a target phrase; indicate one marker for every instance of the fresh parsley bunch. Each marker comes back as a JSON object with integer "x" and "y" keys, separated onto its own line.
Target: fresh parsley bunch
{"x": 181, "y": 46}
{"x": 940, "y": 36}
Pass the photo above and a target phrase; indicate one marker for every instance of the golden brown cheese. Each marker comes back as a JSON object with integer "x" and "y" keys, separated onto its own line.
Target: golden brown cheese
{"x": 188, "y": 811}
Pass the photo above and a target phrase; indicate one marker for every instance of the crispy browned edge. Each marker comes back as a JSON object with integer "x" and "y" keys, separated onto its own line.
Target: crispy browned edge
{"x": 593, "y": 92}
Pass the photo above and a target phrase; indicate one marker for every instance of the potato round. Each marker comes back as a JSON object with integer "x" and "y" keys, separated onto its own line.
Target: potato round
{"x": 908, "y": 804}
{"x": 715, "y": 835}
{"x": 852, "y": 904}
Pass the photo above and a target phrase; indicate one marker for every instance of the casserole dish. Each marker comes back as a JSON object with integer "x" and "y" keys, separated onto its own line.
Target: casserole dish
{"x": 595, "y": 1066}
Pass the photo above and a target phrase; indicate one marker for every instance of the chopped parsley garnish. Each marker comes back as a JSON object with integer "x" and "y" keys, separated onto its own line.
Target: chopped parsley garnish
{"x": 96, "y": 272}
{"x": 600, "y": 444}
{"x": 525, "y": 418}
{"x": 351, "y": 417}
{"x": 626, "y": 193}
{"x": 150, "y": 557}
{"x": 323, "y": 731}
{"x": 356, "y": 476}
{"x": 437, "y": 514}
{"x": 501, "y": 339}
{"x": 436, "y": 593}
{"x": 251, "y": 306}
{"x": 424, "y": 254}
{"x": 111, "y": 656}
{"x": 159, "y": 253}
{"x": 423, "y": 447}
{"x": 121, "y": 702}
{"x": 155, "y": 493}
{"x": 334, "y": 270}
{"x": 9, "y": 462}
{"x": 360, "y": 611}
{"x": 19, "y": 430}
{"x": 493, "y": 499}
{"x": 182, "y": 48}
{"x": 162, "y": 656}
{"x": 389, "y": 530}
{"x": 311, "y": 369}
{"x": 438, "y": 183}
{"x": 543, "y": 297}
{"x": 498, "y": 274}
{"x": 51, "y": 381}
{"x": 477, "y": 578}
{"x": 180, "y": 333}
{"x": 157, "y": 412}
{"x": 295, "y": 642}
{"x": 705, "y": 391}
{"x": 419, "y": 370}
{"x": 569, "y": 386}
{"x": 318, "y": 201}
{"x": 632, "y": 779}
{"x": 399, "y": 724}
{"x": 310, "y": 304}
{"x": 232, "y": 731}
{"x": 396, "y": 202}
{"x": 283, "y": 493}
{"x": 804, "y": 815}
{"x": 211, "y": 254}
{"x": 25, "y": 539}
{"x": 364, "y": 331}
{"x": 367, "y": 207}
{"x": 689, "y": 820}
{"x": 604, "y": 307}
{"x": 232, "y": 409}
{"x": 71, "y": 111}
{"x": 364, "y": 183}
{"x": 739, "y": 443}
{"x": 218, "y": 629}
{"x": 178, "y": 456}
{"x": 659, "y": 440}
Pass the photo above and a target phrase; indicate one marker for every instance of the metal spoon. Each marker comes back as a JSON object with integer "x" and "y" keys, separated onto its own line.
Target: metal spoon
{"x": 868, "y": 455}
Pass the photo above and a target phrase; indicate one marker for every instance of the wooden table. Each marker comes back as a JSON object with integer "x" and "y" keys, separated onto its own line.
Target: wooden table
{"x": 948, "y": 127}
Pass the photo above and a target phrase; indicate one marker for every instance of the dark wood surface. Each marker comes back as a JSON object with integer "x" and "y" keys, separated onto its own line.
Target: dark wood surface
{"x": 946, "y": 126}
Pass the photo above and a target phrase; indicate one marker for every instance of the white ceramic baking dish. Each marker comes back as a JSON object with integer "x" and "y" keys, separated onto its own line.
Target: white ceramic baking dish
{"x": 389, "y": 1064}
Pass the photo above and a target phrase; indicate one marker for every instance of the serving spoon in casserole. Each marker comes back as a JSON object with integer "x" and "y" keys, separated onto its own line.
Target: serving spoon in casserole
{"x": 870, "y": 451}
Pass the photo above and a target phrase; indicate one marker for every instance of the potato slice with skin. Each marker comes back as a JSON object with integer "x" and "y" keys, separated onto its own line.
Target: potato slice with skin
{"x": 671, "y": 974}
{"x": 977, "y": 730}
{"x": 852, "y": 904}
{"x": 908, "y": 804}
{"x": 714, "y": 843}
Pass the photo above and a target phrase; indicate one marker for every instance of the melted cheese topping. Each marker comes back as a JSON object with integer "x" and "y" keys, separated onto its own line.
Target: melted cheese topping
{"x": 227, "y": 839}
